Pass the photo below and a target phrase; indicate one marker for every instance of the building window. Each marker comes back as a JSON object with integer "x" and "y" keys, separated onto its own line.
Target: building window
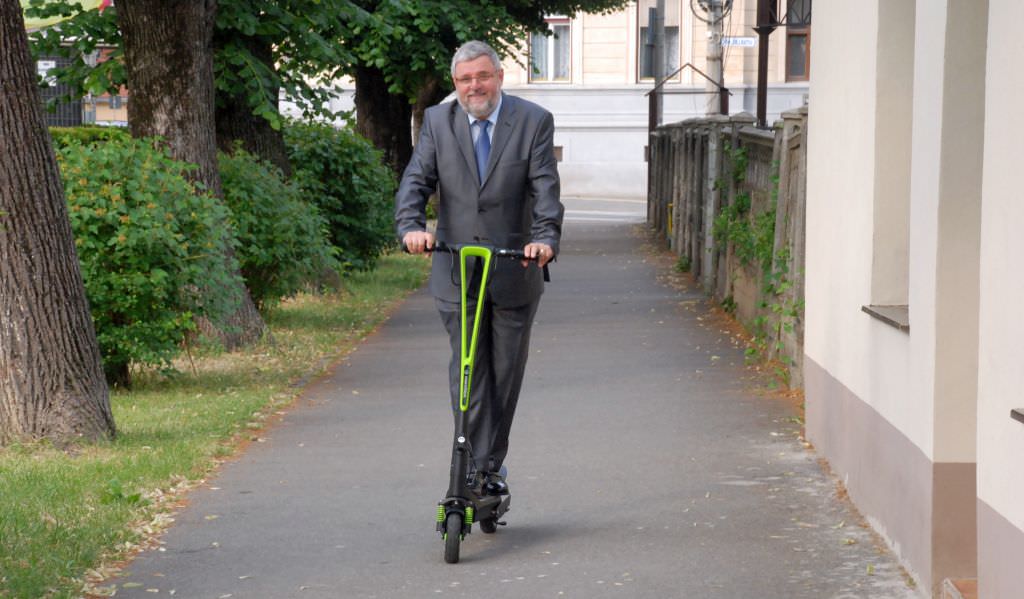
{"x": 798, "y": 55}
{"x": 550, "y": 54}
{"x": 798, "y": 40}
{"x": 645, "y": 40}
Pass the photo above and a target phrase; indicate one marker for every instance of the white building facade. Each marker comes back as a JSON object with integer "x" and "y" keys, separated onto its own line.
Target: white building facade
{"x": 912, "y": 301}
{"x": 593, "y": 74}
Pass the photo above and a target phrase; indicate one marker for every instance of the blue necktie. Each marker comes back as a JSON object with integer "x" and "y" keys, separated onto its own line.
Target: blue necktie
{"x": 483, "y": 149}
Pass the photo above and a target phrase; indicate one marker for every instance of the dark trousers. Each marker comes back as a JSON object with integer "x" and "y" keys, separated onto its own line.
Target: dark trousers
{"x": 502, "y": 348}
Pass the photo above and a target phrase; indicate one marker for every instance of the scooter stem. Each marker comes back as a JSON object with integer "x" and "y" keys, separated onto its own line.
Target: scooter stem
{"x": 468, "y": 350}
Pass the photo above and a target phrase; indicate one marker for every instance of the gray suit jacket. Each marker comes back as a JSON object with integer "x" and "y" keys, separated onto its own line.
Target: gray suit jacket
{"x": 516, "y": 203}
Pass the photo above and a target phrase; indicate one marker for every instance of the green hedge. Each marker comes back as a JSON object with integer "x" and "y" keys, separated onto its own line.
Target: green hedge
{"x": 282, "y": 239}
{"x": 63, "y": 136}
{"x": 345, "y": 176}
{"x": 151, "y": 249}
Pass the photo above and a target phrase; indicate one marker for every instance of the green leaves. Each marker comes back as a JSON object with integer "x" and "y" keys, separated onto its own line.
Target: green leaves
{"x": 299, "y": 46}
{"x": 115, "y": 492}
{"x": 345, "y": 177}
{"x": 752, "y": 235}
{"x": 84, "y": 38}
{"x": 289, "y": 45}
{"x": 282, "y": 238}
{"x": 149, "y": 245}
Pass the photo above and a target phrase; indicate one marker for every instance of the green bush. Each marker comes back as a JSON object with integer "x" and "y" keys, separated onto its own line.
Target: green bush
{"x": 152, "y": 250}
{"x": 348, "y": 180}
{"x": 282, "y": 239}
{"x": 63, "y": 136}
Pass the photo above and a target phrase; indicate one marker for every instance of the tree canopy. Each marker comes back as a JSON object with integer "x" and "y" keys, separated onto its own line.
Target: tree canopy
{"x": 413, "y": 40}
{"x": 313, "y": 41}
{"x": 304, "y": 35}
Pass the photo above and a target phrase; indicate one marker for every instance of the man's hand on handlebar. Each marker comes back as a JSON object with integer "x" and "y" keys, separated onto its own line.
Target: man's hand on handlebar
{"x": 420, "y": 242}
{"x": 417, "y": 242}
{"x": 541, "y": 252}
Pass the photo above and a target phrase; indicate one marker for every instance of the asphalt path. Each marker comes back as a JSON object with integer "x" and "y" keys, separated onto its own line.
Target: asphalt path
{"x": 644, "y": 462}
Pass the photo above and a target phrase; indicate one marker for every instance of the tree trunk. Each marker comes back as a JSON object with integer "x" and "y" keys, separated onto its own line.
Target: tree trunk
{"x": 383, "y": 118}
{"x": 168, "y": 49}
{"x": 432, "y": 92}
{"x": 236, "y": 121}
{"x": 51, "y": 377}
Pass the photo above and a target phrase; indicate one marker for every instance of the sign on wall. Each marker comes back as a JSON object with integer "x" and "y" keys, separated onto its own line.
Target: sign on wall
{"x": 742, "y": 42}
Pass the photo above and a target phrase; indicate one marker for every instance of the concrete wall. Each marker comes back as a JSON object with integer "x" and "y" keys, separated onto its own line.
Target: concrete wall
{"x": 1001, "y": 324}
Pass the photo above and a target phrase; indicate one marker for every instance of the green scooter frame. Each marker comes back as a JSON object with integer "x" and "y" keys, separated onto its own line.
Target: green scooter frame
{"x": 464, "y": 502}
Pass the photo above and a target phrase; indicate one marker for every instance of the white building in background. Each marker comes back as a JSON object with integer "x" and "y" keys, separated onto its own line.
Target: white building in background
{"x": 593, "y": 74}
{"x": 913, "y": 367}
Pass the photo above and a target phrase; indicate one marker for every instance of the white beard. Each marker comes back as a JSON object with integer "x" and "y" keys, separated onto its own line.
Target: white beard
{"x": 481, "y": 112}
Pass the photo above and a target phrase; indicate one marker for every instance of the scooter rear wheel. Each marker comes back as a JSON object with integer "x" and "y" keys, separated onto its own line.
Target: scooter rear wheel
{"x": 489, "y": 525}
{"x": 452, "y": 537}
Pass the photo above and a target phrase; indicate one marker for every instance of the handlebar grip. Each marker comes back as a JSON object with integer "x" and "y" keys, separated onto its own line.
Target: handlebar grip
{"x": 512, "y": 254}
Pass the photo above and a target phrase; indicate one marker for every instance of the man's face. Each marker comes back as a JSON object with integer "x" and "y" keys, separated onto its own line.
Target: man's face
{"x": 478, "y": 86}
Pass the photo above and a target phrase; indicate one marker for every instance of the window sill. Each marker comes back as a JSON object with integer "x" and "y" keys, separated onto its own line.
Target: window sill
{"x": 894, "y": 316}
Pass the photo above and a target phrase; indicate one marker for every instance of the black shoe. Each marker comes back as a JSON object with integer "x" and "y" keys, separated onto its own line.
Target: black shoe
{"x": 495, "y": 483}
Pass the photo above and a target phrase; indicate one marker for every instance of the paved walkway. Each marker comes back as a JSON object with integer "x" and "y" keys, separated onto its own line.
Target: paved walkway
{"x": 642, "y": 465}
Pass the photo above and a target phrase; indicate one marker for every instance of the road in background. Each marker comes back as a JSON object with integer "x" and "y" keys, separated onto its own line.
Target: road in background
{"x": 604, "y": 211}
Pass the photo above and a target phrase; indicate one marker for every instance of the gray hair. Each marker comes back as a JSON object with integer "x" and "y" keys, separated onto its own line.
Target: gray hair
{"x": 471, "y": 51}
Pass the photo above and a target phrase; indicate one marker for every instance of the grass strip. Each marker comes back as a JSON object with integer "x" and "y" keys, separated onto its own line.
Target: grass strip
{"x": 68, "y": 516}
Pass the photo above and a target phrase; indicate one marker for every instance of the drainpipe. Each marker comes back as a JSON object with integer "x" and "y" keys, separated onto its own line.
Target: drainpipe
{"x": 767, "y": 21}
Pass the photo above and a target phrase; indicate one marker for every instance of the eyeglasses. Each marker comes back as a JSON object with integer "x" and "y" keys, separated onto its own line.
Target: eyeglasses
{"x": 482, "y": 78}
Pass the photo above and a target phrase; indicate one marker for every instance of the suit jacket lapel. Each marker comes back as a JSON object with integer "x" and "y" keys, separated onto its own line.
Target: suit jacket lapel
{"x": 460, "y": 126}
{"x": 502, "y": 132}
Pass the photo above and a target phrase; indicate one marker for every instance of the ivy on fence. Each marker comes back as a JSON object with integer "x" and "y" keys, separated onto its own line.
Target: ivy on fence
{"x": 752, "y": 236}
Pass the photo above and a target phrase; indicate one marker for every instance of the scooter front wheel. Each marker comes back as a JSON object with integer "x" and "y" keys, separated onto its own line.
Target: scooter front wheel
{"x": 452, "y": 537}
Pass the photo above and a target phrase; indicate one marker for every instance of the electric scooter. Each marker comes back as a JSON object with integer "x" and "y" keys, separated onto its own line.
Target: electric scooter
{"x": 465, "y": 502}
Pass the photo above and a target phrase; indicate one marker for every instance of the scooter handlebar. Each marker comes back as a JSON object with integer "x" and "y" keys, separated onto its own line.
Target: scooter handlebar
{"x": 512, "y": 254}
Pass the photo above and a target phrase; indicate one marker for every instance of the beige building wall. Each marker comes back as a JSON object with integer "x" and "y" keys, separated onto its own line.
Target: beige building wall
{"x": 1000, "y": 374}
{"x": 608, "y": 44}
{"x": 741, "y": 63}
{"x": 605, "y": 48}
{"x": 106, "y": 115}
{"x": 894, "y": 411}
